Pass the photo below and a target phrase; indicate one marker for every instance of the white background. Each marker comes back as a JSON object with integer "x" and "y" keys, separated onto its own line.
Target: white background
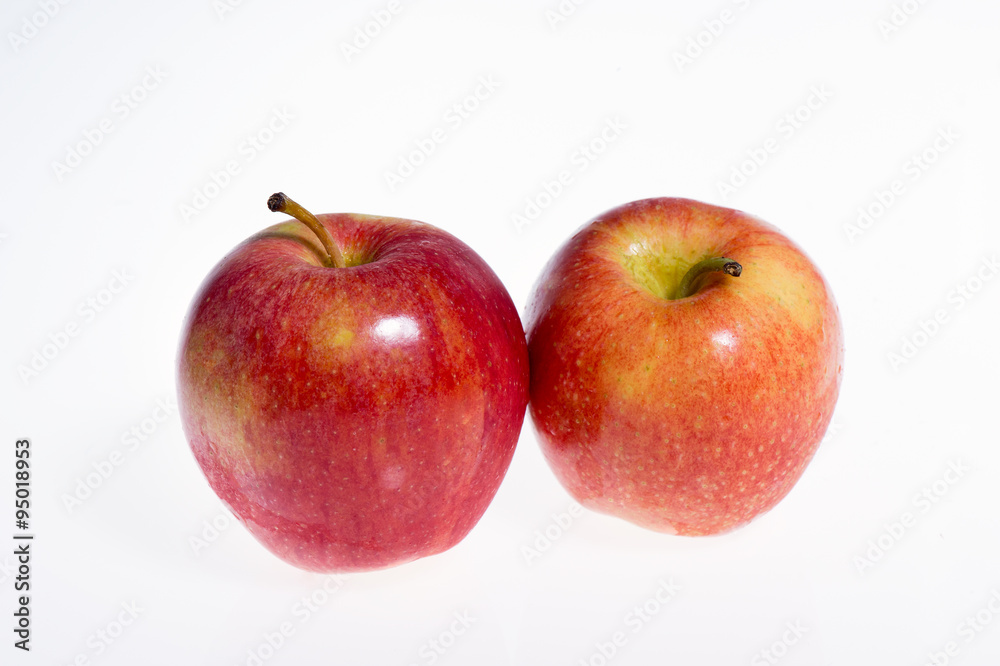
{"x": 879, "y": 99}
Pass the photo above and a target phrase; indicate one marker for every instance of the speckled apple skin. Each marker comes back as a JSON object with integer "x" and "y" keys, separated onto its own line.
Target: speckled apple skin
{"x": 688, "y": 416}
{"x": 354, "y": 418}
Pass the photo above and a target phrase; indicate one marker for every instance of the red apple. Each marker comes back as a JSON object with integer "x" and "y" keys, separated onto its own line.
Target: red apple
{"x": 354, "y": 401}
{"x": 665, "y": 391}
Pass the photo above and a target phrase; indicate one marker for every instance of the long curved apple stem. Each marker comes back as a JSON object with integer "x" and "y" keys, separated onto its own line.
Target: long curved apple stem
{"x": 713, "y": 265}
{"x": 279, "y": 203}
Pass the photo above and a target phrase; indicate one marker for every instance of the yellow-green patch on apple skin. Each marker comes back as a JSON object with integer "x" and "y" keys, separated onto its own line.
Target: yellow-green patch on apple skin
{"x": 684, "y": 415}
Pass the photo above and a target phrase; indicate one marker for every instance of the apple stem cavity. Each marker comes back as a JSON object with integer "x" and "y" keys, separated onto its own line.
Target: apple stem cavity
{"x": 280, "y": 203}
{"x": 713, "y": 265}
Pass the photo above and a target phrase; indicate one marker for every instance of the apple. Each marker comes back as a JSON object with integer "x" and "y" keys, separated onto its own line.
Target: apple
{"x": 353, "y": 387}
{"x": 685, "y": 363}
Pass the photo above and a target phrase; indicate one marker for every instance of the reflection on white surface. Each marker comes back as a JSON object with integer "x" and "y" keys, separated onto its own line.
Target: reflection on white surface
{"x": 396, "y": 329}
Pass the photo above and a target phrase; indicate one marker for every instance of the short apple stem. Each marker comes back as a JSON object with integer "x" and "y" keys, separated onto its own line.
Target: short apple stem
{"x": 279, "y": 203}
{"x": 713, "y": 265}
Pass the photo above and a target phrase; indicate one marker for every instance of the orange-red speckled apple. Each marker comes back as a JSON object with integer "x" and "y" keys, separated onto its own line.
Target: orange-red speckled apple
{"x": 668, "y": 393}
{"x": 353, "y": 393}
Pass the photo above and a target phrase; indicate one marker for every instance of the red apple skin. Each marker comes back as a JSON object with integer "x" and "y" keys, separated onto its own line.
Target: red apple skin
{"x": 688, "y": 416}
{"x": 353, "y": 418}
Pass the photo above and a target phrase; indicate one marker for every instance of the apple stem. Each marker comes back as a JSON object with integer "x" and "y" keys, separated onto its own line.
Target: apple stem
{"x": 280, "y": 203}
{"x": 713, "y": 265}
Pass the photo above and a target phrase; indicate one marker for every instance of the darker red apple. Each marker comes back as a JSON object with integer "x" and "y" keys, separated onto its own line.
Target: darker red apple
{"x": 667, "y": 392}
{"x": 353, "y": 393}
